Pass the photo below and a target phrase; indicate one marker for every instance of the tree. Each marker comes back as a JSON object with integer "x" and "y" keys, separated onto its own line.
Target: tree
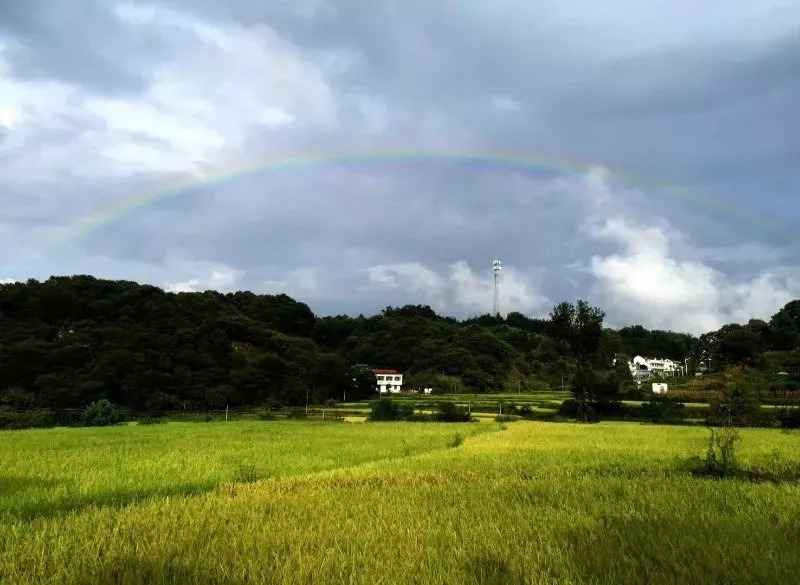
{"x": 623, "y": 372}
{"x": 785, "y": 327}
{"x": 581, "y": 326}
{"x": 736, "y": 405}
{"x": 363, "y": 382}
{"x": 738, "y": 345}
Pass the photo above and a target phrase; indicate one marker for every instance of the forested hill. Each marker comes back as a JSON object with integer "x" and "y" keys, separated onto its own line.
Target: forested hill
{"x": 69, "y": 341}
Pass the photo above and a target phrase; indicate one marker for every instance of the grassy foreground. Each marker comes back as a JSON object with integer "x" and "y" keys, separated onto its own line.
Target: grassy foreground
{"x": 390, "y": 503}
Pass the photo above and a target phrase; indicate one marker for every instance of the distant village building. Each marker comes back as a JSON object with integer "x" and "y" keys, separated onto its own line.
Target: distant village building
{"x": 660, "y": 388}
{"x": 389, "y": 381}
{"x": 644, "y": 367}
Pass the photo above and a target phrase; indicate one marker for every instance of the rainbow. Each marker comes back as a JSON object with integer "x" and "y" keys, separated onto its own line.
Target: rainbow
{"x": 504, "y": 161}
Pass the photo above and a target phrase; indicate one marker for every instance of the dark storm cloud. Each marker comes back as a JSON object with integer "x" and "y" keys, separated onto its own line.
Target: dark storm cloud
{"x": 76, "y": 42}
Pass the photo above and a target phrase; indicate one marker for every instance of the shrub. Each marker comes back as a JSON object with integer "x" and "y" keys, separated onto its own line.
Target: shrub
{"x": 102, "y": 413}
{"x": 721, "y": 456}
{"x": 296, "y": 413}
{"x": 506, "y": 418}
{"x": 573, "y": 409}
{"x": 151, "y": 420}
{"x": 387, "y": 409}
{"x": 267, "y": 415}
{"x": 526, "y": 411}
{"x": 510, "y": 408}
{"x": 789, "y": 418}
{"x": 26, "y": 419}
{"x": 633, "y": 393}
{"x": 456, "y": 441}
{"x": 663, "y": 409}
{"x": 449, "y": 412}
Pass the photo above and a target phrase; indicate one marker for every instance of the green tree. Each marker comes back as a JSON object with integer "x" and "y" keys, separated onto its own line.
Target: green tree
{"x": 784, "y": 327}
{"x": 362, "y": 382}
{"x": 581, "y": 326}
{"x": 739, "y": 346}
{"x": 736, "y": 405}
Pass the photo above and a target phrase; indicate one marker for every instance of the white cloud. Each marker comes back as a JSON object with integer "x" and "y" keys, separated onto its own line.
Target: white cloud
{"x": 656, "y": 278}
{"x": 211, "y": 92}
{"x": 9, "y": 116}
{"x": 221, "y": 279}
{"x": 643, "y": 279}
{"x": 301, "y": 282}
{"x": 461, "y": 290}
{"x": 213, "y": 84}
{"x": 409, "y": 276}
{"x": 8, "y": 280}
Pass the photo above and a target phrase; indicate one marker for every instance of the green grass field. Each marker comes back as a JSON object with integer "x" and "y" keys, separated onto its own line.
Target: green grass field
{"x": 307, "y": 502}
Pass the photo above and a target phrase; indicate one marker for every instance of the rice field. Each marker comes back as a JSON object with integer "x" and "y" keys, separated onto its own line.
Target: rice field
{"x": 306, "y": 502}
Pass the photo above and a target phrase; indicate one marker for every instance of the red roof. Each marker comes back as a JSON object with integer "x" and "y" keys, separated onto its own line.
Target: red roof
{"x": 385, "y": 372}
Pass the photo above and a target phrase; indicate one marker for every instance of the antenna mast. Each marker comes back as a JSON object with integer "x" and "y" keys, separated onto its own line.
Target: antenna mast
{"x": 497, "y": 265}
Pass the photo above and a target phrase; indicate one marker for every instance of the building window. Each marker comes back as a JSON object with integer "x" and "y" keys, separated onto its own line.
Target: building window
{"x": 397, "y": 378}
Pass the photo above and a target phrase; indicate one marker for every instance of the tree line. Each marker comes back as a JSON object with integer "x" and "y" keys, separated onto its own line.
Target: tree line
{"x": 69, "y": 341}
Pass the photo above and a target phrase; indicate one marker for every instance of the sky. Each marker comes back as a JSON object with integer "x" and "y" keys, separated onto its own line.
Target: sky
{"x": 660, "y": 144}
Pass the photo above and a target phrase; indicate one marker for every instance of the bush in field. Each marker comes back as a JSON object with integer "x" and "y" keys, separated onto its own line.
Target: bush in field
{"x": 456, "y": 441}
{"x": 296, "y": 413}
{"x": 102, "y": 413}
{"x": 387, "y": 409}
{"x": 663, "y": 409}
{"x": 152, "y": 420}
{"x": 26, "y": 419}
{"x": 721, "y": 456}
{"x": 573, "y": 409}
{"x": 789, "y": 418}
{"x": 267, "y": 415}
{"x": 449, "y": 412}
{"x": 504, "y": 418}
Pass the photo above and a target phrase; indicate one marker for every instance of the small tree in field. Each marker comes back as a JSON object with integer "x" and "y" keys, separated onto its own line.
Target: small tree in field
{"x": 736, "y": 405}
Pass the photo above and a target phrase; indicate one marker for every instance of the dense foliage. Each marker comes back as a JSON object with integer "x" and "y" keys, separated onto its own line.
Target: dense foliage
{"x": 71, "y": 341}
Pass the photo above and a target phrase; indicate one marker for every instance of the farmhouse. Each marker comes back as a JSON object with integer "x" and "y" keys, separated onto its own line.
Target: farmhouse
{"x": 645, "y": 367}
{"x": 389, "y": 381}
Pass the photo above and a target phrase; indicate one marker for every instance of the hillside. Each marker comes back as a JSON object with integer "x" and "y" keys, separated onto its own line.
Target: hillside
{"x": 69, "y": 341}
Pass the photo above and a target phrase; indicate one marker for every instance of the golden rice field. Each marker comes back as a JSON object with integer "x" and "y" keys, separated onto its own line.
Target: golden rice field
{"x": 300, "y": 502}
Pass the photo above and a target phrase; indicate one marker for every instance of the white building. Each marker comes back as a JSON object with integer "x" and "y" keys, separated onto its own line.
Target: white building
{"x": 660, "y": 388}
{"x": 644, "y": 367}
{"x": 389, "y": 381}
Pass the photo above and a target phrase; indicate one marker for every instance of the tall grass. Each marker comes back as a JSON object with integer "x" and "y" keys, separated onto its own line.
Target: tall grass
{"x": 46, "y": 472}
{"x": 536, "y": 503}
